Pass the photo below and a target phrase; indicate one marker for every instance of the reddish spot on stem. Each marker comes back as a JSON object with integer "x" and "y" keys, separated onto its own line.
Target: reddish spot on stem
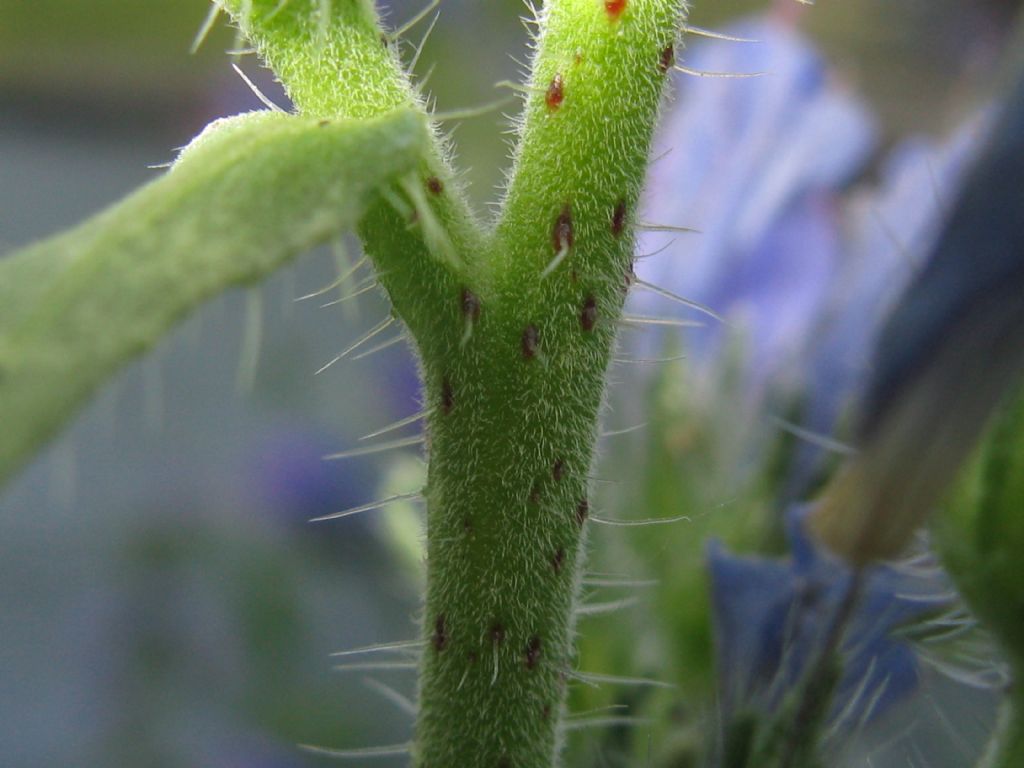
{"x": 582, "y": 512}
{"x": 435, "y": 185}
{"x": 668, "y": 58}
{"x": 557, "y": 559}
{"x": 545, "y": 713}
{"x": 558, "y": 470}
{"x": 447, "y": 397}
{"x": 440, "y": 639}
{"x": 533, "y": 652}
{"x": 614, "y": 8}
{"x": 619, "y": 218}
{"x": 588, "y": 315}
{"x": 530, "y": 342}
{"x": 563, "y": 235}
{"x": 556, "y": 93}
{"x": 628, "y": 277}
{"x": 497, "y": 633}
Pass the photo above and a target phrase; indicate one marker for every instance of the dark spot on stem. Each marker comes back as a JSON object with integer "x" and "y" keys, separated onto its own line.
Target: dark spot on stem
{"x": 530, "y": 341}
{"x": 545, "y": 713}
{"x": 619, "y": 218}
{"x": 588, "y": 315}
{"x": 447, "y": 396}
{"x": 497, "y": 633}
{"x": 434, "y": 185}
{"x": 558, "y": 559}
{"x": 470, "y": 305}
{"x": 440, "y": 639}
{"x": 533, "y": 652}
{"x": 668, "y": 58}
{"x": 504, "y": 762}
{"x": 467, "y": 525}
{"x": 555, "y": 93}
{"x": 324, "y": 123}
{"x": 582, "y": 512}
{"x": 558, "y": 470}
{"x": 614, "y": 8}
{"x": 562, "y": 235}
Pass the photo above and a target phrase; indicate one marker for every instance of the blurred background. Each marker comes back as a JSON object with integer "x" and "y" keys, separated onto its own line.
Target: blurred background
{"x": 163, "y": 601}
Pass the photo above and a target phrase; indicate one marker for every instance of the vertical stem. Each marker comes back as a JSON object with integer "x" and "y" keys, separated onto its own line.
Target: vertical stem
{"x": 800, "y": 743}
{"x": 515, "y": 404}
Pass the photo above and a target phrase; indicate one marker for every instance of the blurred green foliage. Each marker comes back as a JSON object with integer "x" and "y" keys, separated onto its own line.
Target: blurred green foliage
{"x": 981, "y": 530}
{"x": 64, "y": 45}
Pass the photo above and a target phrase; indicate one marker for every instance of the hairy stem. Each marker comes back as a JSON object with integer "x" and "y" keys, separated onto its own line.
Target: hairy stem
{"x": 335, "y": 61}
{"x": 514, "y": 407}
{"x": 77, "y": 306}
{"x": 514, "y": 329}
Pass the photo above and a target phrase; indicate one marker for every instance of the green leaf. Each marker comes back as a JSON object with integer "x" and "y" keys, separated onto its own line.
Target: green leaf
{"x": 247, "y": 195}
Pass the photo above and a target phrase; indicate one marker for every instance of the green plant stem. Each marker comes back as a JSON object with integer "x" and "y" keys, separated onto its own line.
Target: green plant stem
{"x": 514, "y": 327}
{"x": 801, "y": 729}
{"x": 335, "y": 61}
{"x": 77, "y": 306}
{"x": 514, "y": 408}
{"x": 332, "y": 57}
{"x": 514, "y": 331}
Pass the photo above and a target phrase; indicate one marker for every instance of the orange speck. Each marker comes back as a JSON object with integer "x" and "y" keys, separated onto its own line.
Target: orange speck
{"x": 668, "y": 58}
{"x": 614, "y": 8}
{"x": 619, "y": 218}
{"x": 563, "y": 235}
{"x": 553, "y": 98}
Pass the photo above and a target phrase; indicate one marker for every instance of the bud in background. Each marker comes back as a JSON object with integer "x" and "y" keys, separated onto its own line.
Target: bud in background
{"x": 948, "y": 353}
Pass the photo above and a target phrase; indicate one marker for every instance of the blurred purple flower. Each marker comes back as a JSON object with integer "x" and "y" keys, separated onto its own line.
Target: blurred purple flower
{"x": 288, "y": 477}
{"x": 770, "y": 618}
{"x": 803, "y": 270}
{"x": 755, "y": 165}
